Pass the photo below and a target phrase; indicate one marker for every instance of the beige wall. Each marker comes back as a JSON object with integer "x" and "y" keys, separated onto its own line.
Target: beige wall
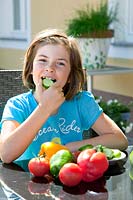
{"x": 53, "y": 14}
{"x": 11, "y": 59}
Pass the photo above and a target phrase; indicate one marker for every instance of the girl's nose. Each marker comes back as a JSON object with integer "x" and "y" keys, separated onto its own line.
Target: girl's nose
{"x": 49, "y": 68}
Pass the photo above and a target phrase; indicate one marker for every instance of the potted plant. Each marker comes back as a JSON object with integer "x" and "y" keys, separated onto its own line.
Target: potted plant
{"x": 92, "y": 29}
{"x": 118, "y": 112}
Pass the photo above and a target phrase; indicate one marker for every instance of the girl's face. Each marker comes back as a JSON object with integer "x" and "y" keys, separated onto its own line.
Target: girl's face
{"x": 52, "y": 61}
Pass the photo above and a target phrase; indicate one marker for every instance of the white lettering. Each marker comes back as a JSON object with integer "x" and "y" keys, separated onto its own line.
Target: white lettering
{"x": 67, "y": 128}
{"x": 63, "y": 127}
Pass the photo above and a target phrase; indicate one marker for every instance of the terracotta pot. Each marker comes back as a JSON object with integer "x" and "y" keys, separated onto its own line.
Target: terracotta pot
{"x": 100, "y": 34}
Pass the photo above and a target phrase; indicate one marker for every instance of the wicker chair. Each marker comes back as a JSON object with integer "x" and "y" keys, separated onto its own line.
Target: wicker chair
{"x": 10, "y": 85}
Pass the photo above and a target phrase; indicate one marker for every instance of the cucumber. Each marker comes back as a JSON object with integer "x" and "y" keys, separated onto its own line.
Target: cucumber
{"x": 47, "y": 82}
{"x": 131, "y": 158}
{"x": 116, "y": 153}
{"x": 87, "y": 146}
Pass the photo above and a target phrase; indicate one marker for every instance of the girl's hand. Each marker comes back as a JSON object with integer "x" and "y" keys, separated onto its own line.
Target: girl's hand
{"x": 50, "y": 98}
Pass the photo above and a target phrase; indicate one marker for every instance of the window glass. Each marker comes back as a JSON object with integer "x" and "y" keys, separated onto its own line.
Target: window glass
{"x": 122, "y": 42}
{"x": 16, "y": 14}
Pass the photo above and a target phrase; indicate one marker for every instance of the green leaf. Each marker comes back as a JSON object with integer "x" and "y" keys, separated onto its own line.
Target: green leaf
{"x": 108, "y": 152}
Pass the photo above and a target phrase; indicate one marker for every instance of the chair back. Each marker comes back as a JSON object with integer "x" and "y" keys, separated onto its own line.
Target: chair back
{"x": 10, "y": 85}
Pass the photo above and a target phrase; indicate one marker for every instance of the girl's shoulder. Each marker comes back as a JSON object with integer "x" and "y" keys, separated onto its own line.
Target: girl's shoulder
{"x": 84, "y": 95}
{"x": 22, "y": 99}
{"x": 23, "y": 96}
{"x": 19, "y": 107}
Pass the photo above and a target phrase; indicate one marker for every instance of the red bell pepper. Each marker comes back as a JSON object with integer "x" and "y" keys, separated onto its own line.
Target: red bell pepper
{"x": 93, "y": 164}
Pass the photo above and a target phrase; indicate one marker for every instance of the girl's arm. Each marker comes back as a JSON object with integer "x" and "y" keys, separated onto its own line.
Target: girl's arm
{"x": 15, "y": 137}
{"x": 109, "y": 135}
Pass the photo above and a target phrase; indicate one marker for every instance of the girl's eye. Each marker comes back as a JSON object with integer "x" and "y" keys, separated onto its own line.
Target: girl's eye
{"x": 43, "y": 60}
{"x": 60, "y": 64}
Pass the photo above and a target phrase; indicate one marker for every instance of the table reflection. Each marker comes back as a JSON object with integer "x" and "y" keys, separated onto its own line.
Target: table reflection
{"x": 45, "y": 186}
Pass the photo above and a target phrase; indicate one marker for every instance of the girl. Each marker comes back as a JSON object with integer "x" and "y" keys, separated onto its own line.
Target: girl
{"x": 60, "y": 113}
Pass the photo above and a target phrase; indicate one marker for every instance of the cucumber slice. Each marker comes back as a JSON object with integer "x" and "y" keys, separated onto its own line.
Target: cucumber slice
{"x": 131, "y": 173}
{"x": 47, "y": 82}
{"x": 116, "y": 153}
{"x": 131, "y": 158}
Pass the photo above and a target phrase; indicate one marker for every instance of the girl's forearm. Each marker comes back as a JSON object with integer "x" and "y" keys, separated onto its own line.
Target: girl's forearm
{"x": 108, "y": 140}
{"x": 13, "y": 145}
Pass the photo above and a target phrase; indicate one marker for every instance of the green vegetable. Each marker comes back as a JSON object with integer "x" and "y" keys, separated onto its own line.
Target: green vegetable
{"x": 131, "y": 158}
{"x": 116, "y": 153}
{"x": 47, "y": 82}
{"x": 131, "y": 167}
{"x": 99, "y": 148}
{"x": 58, "y": 160}
{"x": 131, "y": 173}
{"x": 87, "y": 146}
{"x": 110, "y": 153}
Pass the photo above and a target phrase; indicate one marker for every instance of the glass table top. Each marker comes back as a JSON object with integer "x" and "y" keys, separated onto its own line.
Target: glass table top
{"x": 116, "y": 184}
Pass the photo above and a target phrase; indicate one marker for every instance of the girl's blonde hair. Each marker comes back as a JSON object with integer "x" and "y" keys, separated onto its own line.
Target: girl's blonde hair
{"x": 75, "y": 81}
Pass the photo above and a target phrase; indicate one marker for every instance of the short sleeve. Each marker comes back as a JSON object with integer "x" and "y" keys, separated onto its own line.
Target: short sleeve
{"x": 89, "y": 110}
{"x": 13, "y": 111}
{"x": 18, "y": 108}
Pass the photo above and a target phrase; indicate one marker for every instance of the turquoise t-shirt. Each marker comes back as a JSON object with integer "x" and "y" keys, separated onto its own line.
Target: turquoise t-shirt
{"x": 67, "y": 125}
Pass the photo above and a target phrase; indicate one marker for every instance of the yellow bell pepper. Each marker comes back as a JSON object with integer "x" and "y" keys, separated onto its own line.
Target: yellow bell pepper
{"x": 49, "y": 148}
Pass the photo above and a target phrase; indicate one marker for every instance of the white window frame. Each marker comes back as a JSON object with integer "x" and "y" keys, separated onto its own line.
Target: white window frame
{"x": 122, "y": 44}
{"x": 9, "y": 37}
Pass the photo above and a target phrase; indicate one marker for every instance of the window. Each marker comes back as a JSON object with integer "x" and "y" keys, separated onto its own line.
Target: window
{"x": 122, "y": 44}
{"x": 14, "y": 23}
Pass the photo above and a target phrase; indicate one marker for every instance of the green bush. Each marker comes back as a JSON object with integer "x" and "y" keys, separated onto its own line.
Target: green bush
{"x": 114, "y": 109}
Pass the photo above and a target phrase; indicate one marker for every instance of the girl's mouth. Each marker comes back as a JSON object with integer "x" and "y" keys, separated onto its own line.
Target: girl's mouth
{"x": 54, "y": 80}
{"x": 47, "y": 82}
